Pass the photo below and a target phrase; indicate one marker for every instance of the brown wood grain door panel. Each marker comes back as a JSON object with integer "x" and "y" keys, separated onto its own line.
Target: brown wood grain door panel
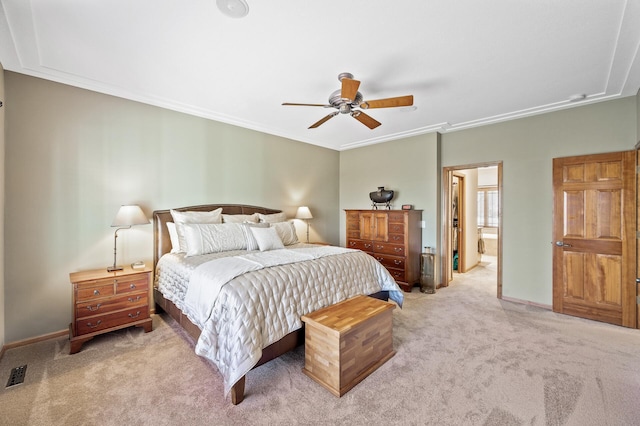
{"x": 594, "y": 226}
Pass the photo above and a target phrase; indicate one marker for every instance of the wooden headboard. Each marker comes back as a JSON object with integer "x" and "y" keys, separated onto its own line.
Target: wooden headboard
{"x": 161, "y": 240}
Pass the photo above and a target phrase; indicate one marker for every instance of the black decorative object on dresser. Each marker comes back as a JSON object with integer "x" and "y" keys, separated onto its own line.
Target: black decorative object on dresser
{"x": 393, "y": 237}
{"x": 381, "y": 197}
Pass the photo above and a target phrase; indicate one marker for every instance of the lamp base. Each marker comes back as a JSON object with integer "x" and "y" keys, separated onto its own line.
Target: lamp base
{"x": 114, "y": 268}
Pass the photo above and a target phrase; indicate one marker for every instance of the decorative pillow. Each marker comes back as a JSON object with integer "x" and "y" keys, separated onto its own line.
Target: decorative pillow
{"x": 287, "y": 232}
{"x": 267, "y": 238}
{"x": 252, "y": 244}
{"x": 180, "y": 218}
{"x": 204, "y": 238}
{"x": 272, "y": 218}
{"x": 240, "y": 218}
{"x": 173, "y": 236}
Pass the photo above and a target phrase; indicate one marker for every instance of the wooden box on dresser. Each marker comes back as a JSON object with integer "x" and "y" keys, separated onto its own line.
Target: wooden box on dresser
{"x": 393, "y": 237}
{"x": 107, "y": 301}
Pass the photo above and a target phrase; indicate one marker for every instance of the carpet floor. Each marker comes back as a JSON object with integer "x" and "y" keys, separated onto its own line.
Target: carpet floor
{"x": 463, "y": 357}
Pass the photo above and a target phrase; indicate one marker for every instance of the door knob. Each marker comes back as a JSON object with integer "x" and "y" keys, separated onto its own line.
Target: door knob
{"x": 562, "y": 244}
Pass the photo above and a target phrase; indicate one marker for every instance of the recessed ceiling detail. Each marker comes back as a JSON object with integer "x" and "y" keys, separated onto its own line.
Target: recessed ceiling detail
{"x": 466, "y": 63}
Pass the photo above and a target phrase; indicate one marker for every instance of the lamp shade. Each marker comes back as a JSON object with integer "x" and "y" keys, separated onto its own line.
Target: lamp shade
{"x": 130, "y": 215}
{"x": 304, "y": 213}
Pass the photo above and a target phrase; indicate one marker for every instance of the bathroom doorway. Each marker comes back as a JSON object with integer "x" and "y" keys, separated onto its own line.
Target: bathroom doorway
{"x": 472, "y": 225}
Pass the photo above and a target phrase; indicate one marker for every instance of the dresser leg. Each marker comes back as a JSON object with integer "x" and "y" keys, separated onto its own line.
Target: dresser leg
{"x": 76, "y": 344}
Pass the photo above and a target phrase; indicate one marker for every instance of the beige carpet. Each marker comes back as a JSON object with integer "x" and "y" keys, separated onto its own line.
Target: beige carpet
{"x": 463, "y": 358}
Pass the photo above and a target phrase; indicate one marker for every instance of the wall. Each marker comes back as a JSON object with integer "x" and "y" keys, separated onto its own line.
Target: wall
{"x": 527, "y": 147}
{"x": 410, "y": 167}
{"x": 74, "y": 156}
{"x": 2, "y": 143}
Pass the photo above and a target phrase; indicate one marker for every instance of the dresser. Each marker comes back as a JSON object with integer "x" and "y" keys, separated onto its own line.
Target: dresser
{"x": 393, "y": 237}
{"x": 107, "y": 301}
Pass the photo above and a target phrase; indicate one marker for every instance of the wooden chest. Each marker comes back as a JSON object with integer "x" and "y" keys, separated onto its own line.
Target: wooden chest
{"x": 347, "y": 341}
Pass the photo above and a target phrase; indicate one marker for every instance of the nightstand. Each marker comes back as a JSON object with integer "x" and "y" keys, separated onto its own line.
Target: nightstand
{"x": 107, "y": 301}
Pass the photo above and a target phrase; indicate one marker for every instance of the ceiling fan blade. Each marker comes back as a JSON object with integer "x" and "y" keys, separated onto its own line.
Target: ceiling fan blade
{"x": 365, "y": 119}
{"x": 324, "y": 120}
{"x": 349, "y": 88}
{"x": 292, "y": 104}
{"x": 400, "y": 101}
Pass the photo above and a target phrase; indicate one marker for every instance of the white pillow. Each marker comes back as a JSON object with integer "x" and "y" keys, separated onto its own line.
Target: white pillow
{"x": 267, "y": 238}
{"x": 287, "y": 232}
{"x": 240, "y": 218}
{"x": 272, "y": 218}
{"x": 180, "y": 218}
{"x": 252, "y": 244}
{"x": 204, "y": 238}
{"x": 173, "y": 236}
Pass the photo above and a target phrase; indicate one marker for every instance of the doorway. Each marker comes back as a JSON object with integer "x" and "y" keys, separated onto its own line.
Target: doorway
{"x": 478, "y": 227}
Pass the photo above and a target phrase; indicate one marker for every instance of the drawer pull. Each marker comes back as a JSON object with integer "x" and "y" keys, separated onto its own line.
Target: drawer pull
{"x": 115, "y": 281}
{"x": 131, "y": 299}
{"x": 397, "y": 262}
{"x": 134, "y": 316}
{"x": 379, "y": 247}
{"x": 368, "y": 245}
{"x": 398, "y": 249}
{"x": 352, "y": 243}
{"x": 94, "y": 309}
{"x": 132, "y": 286}
{"x": 96, "y": 292}
{"x": 379, "y": 259}
{"x": 94, "y": 326}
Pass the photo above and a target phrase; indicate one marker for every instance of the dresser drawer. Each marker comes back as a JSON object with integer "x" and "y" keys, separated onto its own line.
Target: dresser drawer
{"x": 386, "y": 248}
{"x": 396, "y": 238}
{"x": 132, "y": 284}
{"x": 396, "y": 228}
{"x": 94, "y": 291}
{"x": 363, "y": 245}
{"x": 390, "y": 261}
{"x": 100, "y": 322}
{"x": 396, "y": 217}
{"x": 398, "y": 274}
{"x": 104, "y": 306}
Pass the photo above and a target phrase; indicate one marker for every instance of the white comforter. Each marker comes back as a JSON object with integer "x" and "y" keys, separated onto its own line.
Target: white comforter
{"x": 266, "y": 299}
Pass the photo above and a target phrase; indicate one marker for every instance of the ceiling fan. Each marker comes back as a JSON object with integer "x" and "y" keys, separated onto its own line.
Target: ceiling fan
{"x": 346, "y": 99}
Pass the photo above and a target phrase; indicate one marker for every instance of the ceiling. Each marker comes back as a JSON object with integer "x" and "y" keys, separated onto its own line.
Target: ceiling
{"x": 467, "y": 62}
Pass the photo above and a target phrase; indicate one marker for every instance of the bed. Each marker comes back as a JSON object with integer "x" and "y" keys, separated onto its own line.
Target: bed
{"x": 254, "y": 298}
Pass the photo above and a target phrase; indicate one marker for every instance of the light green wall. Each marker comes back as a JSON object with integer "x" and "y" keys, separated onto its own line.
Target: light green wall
{"x": 74, "y": 156}
{"x": 410, "y": 167}
{"x": 527, "y": 147}
{"x": 2, "y": 133}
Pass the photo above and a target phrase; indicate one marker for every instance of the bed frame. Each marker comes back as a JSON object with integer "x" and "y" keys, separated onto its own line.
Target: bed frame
{"x": 162, "y": 245}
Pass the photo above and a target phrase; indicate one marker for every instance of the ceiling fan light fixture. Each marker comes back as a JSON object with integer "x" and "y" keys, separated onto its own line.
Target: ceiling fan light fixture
{"x": 233, "y": 8}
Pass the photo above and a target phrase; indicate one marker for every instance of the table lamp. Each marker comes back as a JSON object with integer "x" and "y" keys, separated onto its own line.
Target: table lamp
{"x": 126, "y": 217}
{"x": 305, "y": 214}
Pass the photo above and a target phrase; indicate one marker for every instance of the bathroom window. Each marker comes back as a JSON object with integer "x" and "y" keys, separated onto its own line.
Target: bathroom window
{"x": 488, "y": 207}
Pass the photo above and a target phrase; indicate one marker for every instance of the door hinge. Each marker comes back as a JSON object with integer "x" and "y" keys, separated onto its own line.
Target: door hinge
{"x": 638, "y": 235}
{"x": 637, "y": 300}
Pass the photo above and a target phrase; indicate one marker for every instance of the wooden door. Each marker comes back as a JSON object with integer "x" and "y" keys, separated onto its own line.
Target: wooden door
{"x": 595, "y": 237}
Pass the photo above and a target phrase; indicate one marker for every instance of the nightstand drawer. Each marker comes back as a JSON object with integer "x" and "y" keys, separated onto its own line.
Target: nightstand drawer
{"x": 99, "y": 307}
{"x": 101, "y": 322}
{"x": 86, "y": 293}
{"x": 131, "y": 284}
